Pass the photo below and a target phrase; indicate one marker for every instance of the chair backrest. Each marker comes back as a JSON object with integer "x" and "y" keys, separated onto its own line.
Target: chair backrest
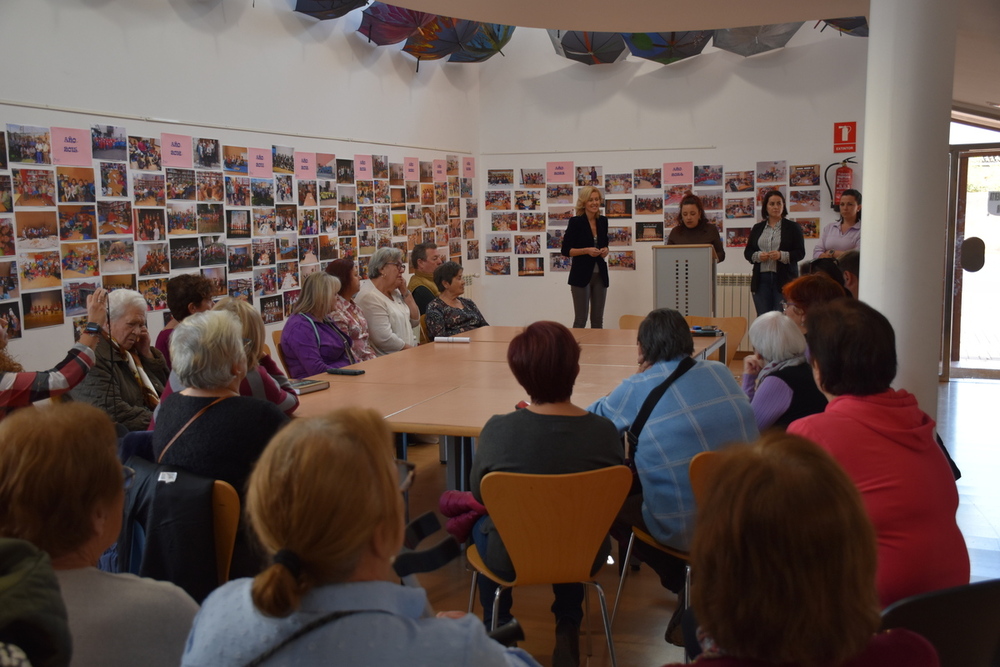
{"x": 226, "y": 520}
{"x": 630, "y": 321}
{"x": 553, "y": 525}
{"x": 424, "y": 336}
{"x": 734, "y": 327}
{"x": 963, "y": 623}
{"x": 701, "y": 470}
{"x": 276, "y": 337}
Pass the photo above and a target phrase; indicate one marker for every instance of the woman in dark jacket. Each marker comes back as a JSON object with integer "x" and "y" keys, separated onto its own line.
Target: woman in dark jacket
{"x": 586, "y": 241}
{"x": 775, "y": 248}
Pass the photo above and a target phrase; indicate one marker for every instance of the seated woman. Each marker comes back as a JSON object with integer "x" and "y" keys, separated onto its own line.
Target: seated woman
{"x": 450, "y": 314}
{"x": 819, "y": 605}
{"x": 325, "y": 503}
{"x": 807, "y": 291}
{"x": 346, "y": 314}
{"x": 128, "y": 378}
{"x": 19, "y": 388}
{"x": 208, "y": 428}
{"x": 311, "y": 341}
{"x": 551, "y": 436}
{"x": 264, "y": 380}
{"x": 187, "y": 294}
{"x": 63, "y": 492}
{"x": 387, "y": 304}
{"x": 887, "y": 446}
{"x": 776, "y": 377}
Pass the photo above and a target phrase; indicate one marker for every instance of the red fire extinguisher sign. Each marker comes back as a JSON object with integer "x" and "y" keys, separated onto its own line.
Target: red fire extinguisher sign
{"x": 845, "y": 137}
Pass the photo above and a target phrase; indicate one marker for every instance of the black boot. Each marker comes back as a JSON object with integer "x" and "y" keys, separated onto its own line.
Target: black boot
{"x": 567, "y": 652}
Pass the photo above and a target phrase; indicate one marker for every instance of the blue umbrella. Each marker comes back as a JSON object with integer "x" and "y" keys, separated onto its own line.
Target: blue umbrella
{"x": 589, "y": 48}
{"x": 756, "y": 39}
{"x": 486, "y": 43}
{"x": 441, "y": 37}
{"x": 387, "y": 24}
{"x": 328, "y": 9}
{"x": 667, "y": 47}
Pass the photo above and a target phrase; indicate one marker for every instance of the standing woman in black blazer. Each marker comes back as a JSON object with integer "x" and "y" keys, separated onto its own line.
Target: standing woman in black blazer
{"x": 775, "y": 248}
{"x": 586, "y": 241}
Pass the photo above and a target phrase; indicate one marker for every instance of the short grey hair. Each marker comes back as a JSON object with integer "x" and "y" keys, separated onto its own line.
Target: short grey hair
{"x": 122, "y": 301}
{"x": 383, "y": 256}
{"x": 776, "y": 337}
{"x": 204, "y": 348}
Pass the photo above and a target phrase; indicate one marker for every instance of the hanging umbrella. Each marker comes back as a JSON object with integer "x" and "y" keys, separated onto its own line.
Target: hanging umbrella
{"x": 589, "y": 48}
{"x": 852, "y": 25}
{"x": 667, "y": 47}
{"x": 328, "y": 9}
{"x": 756, "y": 39}
{"x": 441, "y": 37}
{"x": 386, "y": 24}
{"x": 486, "y": 43}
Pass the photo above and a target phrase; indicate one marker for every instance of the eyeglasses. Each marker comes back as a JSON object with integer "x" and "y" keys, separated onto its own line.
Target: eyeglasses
{"x": 396, "y": 264}
{"x": 785, "y": 305}
{"x": 128, "y": 477}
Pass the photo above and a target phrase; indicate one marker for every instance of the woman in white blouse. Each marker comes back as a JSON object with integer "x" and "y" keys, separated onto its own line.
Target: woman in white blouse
{"x": 388, "y": 306}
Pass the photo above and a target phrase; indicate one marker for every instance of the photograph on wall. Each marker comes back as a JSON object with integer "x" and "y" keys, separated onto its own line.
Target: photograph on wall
{"x": 34, "y": 187}
{"x": 441, "y": 193}
{"x": 504, "y": 222}
{"x": 366, "y": 193}
{"x": 383, "y": 218}
{"x": 739, "y": 207}
{"x": 29, "y": 144}
{"x": 76, "y": 184}
{"x": 455, "y": 249}
{"x": 271, "y": 308}
{"x": 412, "y": 192}
{"x": 498, "y": 243}
{"x": 283, "y": 190}
{"x": 154, "y": 258}
{"x": 471, "y": 208}
{"x": 234, "y": 159}
{"x": 328, "y": 248}
{"x": 764, "y": 189}
{"x": 119, "y": 281}
{"x": 559, "y": 194}
{"x": 527, "y": 244}
{"x": 426, "y": 171}
{"x": 621, "y": 260}
{"x": 649, "y": 205}
{"x": 499, "y": 178}
{"x": 455, "y": 229}
{"x": 108, "y": 142}
{"x": 533, "y": 177}
{"x": 367, "y": 242}
{"x": 810, "y": 227}
{"x": 265, "y": 281}
{"x": 326, "y": 166}
{"x": 78, "y": 223}
{"x": 468, "y": 229}
{"x": 531, "y": 266}
{"x": 286, "y": 218}
{"x": 366, "y": 218}
{"x": 3, "y": 150}
{"x": 527, "y": 200}
{"x": 6, "y": 236}
{"x": 211, "y": 186}
{"x": 308, "y": 221}
{"x": 381, "y": 190}
{"x": 804, "y": 201}
{"x": 716, "y": 218}
{"x": 184, "y": 253}
{"x": 397, "y": 199}
{"x": 80, "y": 260}
{"x": 206, "y": 153}
{"x": 288, "y": 274}
{"x": 802, "y": 175}
{"x": 380, "y": 166}
{"x": 707, "y": 174}
{"x": 560, "y": 215}
{"x": 8, "y": 281}
{"x": 347, "y": 198}
{"x": 619, "y": 236}
{"x": 554, "y": 239}
{"x": 737, "y": 237}
{"x": 591, "y": 175}
{"x": 264, "y": 222}
{"x": 618, "y": 184}
{"x": 290, "y": 299}
{"x": 427, "y": 194}
{"x": 649, "y": 232}
{"x": 75, "y": 295}
{"x": 117, "y": 255}
{"x": 210, "y": 219}
{"x": 647, "y": 179}
{"x": 6, "y": 193}
{"x": 213, "y": 250}
{"x": 345, "y": 171}
{"x": 287, "y": 248}
{"x": 739, "y": 181}
{"x": 532, "y": 222}
{"x": 42, "y": 309}
{"x": 396, "y": 173}
{"x": 154, "y": 291}
{"x": 237, "y": 223}
{"x": 671, "y": 217}
{"x": 114, "y": 179}
{"x": 150, "y": 224}
{"x": 557, "y": 262}
{"x": 328, "y": 221}
{"x": 144, "y": 154}
{"x": 472, "y": 249}
{"x": 37, "y": 230}
{"x": 282, "y": 159}
{"x": 497, "y": 265}
{"x": 306, "y": 269}
{"x": 263, "y": 252}
{"x": 309, "y": 251}
{"x": 327, "y": 194}
{"x": 262, "y": 191}
{"x": 149, "y": 190}
{"x": 239, "y": 258}
{"x": 711, "y": 200}
{"x": 348, "y": 249}
{"x": 673, "y": 195}
{"x": 182, "y": 218}
{"x": 238, "y": 191}
{"x": 216, "y": 277}
{"x": 11, "y": 312}
{"x": 242, "y": 289}
{"x": 618, "y": 208}
{"x": 114, "y": 217}
{"x": 772, "y": 172}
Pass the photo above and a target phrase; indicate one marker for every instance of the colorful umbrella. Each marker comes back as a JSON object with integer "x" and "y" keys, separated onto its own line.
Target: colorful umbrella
{"x": 386, "y": 24}
{"x": 441, "y": 37}
{"x": 756, "y": 39}
{"x": 589, "y": 48}
{"x": 667, "y": 47}
{"x": 486, "y": 43}
{"x": 328, "y": 9}
{"x": 852, "y": 25}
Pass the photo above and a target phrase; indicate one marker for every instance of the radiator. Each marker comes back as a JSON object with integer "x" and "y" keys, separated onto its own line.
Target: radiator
{"x": 732, "y": 299}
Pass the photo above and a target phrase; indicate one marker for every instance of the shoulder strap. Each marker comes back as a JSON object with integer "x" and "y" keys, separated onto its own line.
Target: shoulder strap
{"x": 654, "y": 397}
{"x": 306, "y": 629}
{"x": 184, "y": 428}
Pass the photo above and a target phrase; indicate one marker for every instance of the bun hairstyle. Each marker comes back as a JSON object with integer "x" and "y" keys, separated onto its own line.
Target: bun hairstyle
{"x": 691, "y": 199}
{"x": 320, "y": 492}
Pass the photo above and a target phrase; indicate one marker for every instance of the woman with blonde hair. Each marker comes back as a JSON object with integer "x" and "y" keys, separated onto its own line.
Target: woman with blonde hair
{"x": 311, "y": 340}
{"x": 586, "y": 243}
{"x": 331, "y": 595}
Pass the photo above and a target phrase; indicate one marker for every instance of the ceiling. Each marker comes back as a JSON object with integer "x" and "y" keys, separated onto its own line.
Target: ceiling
{"x": 977, "y": 54}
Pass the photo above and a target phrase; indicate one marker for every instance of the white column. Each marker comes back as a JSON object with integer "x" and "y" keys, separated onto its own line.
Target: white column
{"x": 911, "y": 62}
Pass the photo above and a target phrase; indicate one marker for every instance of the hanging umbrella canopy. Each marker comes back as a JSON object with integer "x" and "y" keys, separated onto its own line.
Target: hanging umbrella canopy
{"x": 441, "y": 37}
{"x": 589, "y": 48}
{"x": 487, "y": 42}
{"x": 328, "y": 9}
{"x": 752, "y": 40}
{"x": 386, "y": 24}
{"x": 852, "y": 25}
{"x": 667, "y": 47}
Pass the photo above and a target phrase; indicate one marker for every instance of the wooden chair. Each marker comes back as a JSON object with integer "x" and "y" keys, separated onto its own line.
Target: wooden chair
{"x": 424, "y": 336}
{"x": 734, "y": 327}
{"x": 700, "y": 470}
{"x": 963, "y": 623}
{"x": 630, "y": 321}
{"x": 276, "y": 337}
{"x": 226, "y": 521}
{"x": 553, "y": 527}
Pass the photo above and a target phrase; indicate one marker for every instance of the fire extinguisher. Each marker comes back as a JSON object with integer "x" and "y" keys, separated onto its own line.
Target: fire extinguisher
{"x": 844, "y": 180}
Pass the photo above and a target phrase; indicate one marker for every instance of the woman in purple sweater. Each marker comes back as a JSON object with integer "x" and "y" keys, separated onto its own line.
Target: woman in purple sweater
{"x": 311, "y": 341}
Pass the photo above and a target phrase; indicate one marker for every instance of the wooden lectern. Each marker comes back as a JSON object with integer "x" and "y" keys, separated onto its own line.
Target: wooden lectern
{"x": 684, "y": 278}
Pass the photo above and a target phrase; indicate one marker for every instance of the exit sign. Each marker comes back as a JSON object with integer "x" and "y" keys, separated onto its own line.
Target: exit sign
{"x": 845, "y": 137}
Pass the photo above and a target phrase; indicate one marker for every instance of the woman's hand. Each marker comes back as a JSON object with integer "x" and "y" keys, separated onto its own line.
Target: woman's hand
{"x": 97, "y": 307}
{"x": 142, "y": 343}
{"x": 594, "y": 252}
{"x": 752, "y": 365}
{"x": 604, "y": 252}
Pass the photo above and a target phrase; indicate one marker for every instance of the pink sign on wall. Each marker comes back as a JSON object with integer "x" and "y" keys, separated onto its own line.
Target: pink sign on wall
{"x": 468, "y": 167}
{"x": 176, "y": 150}
{"x": 362, "y": 167}
{"x": 261, "y": 164}
{"x": 678, "y": 173}
{"x": 559, "y": 172}
{"x": 305, "y": 165}
{"x": 440, "y": 171}
{"x": 411, "y": 169}
{"x": 71, "y": 148}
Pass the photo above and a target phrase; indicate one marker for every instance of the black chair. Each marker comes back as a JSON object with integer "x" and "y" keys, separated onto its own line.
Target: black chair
{"x": 963, "y": 623}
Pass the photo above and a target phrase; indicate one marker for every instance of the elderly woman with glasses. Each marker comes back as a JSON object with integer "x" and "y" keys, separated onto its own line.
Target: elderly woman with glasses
{"x": 62, "y": 491}
{"x": 128, "y": 377}
{"x": 387, "y": 304}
